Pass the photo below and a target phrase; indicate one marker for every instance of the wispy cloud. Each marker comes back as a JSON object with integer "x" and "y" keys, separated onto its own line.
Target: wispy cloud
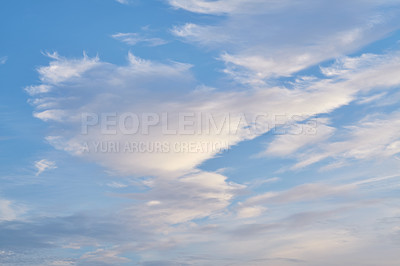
{"x": 361, "y": 142}
{"x": 282, "y": 49}
{"x": 116, "y": 185}
{"x": 10, "y": 211}
{"x": 229, "y": 7}
{"x": 300, "y": 135}
{"x": 44, "y": 165}
{"x": 62, "y": 69}
{"x": 32, "y": 90}
{"x": 3, "y": 60}
{"x": 123, "y": 1}
{"x": 104, "y": 256}
{"x": 135, "y": 38}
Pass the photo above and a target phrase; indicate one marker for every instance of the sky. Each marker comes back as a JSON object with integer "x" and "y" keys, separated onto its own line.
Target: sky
{"x": 199, "y": 132}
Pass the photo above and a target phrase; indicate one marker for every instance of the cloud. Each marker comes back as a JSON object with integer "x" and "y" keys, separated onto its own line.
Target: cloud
{"x": 196, "y": 33}
{"x": 99, "y": 88}
{"x": 294, "y": 36}
{"x": 178, "y": 198}
{"x": 135, "y": 38}
{"x": 103, "y": 257}
{"x": 51, "y": 115}
{"x": 300, "y": 135}
{"x": 228, "y": 7}
{"x": 61, "y": 69}
{"x": 190, "y": 197}
{"x": 250, "y": 212}
{"x": 44, "y": 165}
{"x": 116, "y": 185}
{"x": 372, "y": 137}
{"x": 3, "y": 60}
{"x": 106, "y": 238}
{"x": 9, "y": 211}
{"x": 367, "y": 74}
{"x": 33, "y": 90}
{"x": 62, "y": 262}
{"x": 307, "y": 192}
{"x": 123, "y": 1}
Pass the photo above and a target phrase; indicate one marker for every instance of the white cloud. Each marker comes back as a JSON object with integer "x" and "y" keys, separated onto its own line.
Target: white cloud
{"x": 153, "y": 203}
{"x": 104, "y": 256}
{"x": 62, "y": 262}
{"x": 10, "y": 211}
{"x": 302, "y": 135}
{"x": 372, "y": 98}
{"x": 260, "y": 182}
{"x": 366, "y": 74}
{"x": 123, "y": 1}
{"x": 54, "y": 115}
{"x": 260, "y": 40}
{"x": 3, "y": 60}
{"x": 230, "y": 6}
{"x": 61, "y": 69}
{"x": 135, "y": 38}
{"x": 250, "y": 212}
{"x": 176, "y": 193}
{"x": 33, "y": 90}
{"x": 347, "y": 64}
{"x": 44, "y": 165}
{"x": 116, "y": 185}
{"x": 108, "y": 88}
{"x": 6, "y": 253}
{"x": 373, "y": 137}
{"x": 176, "y": 201}
{"x": 306, "y": 192}
{"x": 193, "y": 32}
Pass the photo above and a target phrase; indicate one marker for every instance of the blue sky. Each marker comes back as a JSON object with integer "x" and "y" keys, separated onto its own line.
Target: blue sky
{"x": 300, "y": 165}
